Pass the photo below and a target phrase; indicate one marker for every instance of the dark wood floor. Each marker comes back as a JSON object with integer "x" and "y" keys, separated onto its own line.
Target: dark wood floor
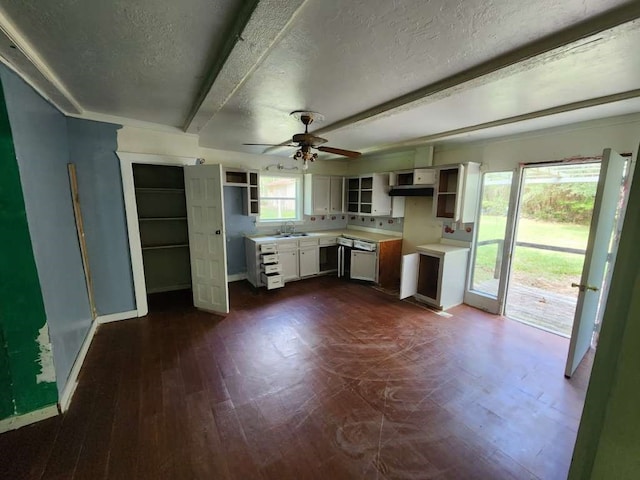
{"x": 320, "y": 380}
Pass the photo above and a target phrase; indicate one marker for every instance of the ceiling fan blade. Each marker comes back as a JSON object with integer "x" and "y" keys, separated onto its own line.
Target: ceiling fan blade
{"x": 269, "y": 145}
{"x": 340, "y": 151}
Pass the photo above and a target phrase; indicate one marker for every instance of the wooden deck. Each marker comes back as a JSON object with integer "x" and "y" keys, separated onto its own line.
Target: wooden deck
{"x": 539, "y": 308}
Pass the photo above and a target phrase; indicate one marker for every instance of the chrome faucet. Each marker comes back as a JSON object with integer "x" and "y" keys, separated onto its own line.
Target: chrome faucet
{"x": 289, "y": 227}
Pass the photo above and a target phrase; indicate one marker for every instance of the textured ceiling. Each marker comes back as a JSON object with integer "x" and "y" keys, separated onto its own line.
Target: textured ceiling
{"x": 383, "y": 73}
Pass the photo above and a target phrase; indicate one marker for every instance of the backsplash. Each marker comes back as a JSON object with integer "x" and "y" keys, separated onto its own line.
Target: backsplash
{"x": 311, "y": 223}
{"x": 462, "y": 232}
{"x": 380, "y": 223}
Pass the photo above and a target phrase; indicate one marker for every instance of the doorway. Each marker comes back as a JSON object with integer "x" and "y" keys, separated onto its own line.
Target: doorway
{"x": 551, "y": 232}
{"x": 545, "y": 243}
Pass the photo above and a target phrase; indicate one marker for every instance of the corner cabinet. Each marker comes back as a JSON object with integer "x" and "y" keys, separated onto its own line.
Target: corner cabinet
{"x": 456, "y": 194}
{"x": 250, "y": 180}
{"x": 367, "y": 195}
{"x": 323, "y": 194}
{"x": 435, "y": 275}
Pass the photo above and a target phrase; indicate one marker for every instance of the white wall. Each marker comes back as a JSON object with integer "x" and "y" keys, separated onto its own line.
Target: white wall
{"x": 142, "y": 140}
{"x": 577, "y": 140}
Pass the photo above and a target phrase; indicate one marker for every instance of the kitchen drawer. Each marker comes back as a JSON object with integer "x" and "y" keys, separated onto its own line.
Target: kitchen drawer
{"x": 272, "y": 281}
{"x": 308, "y": 242}
{"x": 272, "y": 268}
{"x": 287, "y": 245}
{"x": 270, "y": 258}
{"x": 327, "y": 241}
{"x": 268, "y": 248}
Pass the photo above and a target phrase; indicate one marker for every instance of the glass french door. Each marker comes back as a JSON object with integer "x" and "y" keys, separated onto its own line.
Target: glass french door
{"x": 487, "y": 281}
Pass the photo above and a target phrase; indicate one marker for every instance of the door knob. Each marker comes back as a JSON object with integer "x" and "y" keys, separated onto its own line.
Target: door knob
{"x": 582, "y": 287}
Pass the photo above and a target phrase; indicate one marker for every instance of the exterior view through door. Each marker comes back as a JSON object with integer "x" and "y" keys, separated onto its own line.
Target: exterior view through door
{"x": 543, "y": 243}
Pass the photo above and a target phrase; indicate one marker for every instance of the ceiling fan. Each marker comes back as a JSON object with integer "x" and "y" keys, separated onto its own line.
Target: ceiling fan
{"x": 304, "y": 142}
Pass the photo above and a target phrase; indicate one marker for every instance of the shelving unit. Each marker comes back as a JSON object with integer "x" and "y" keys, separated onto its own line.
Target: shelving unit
{"x": 353, "y": 195}
{"x": 250, "y": 181}
{"x": 367, "y": 194}
{"x": 456, "y": 197}
{"x": 162, "y": 220}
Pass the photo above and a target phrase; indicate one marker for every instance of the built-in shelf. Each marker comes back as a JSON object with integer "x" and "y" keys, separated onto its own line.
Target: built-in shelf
{"x": 162, "y": 220}
{"x": 160, "y": 190}
{"x": 160, "y": 247}
{"x": 169, "y": 288}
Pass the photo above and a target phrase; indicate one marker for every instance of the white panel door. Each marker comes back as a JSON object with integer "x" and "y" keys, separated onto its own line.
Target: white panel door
{"x": 409, "y": 275}
{"x": 336, "y": 205}
{"x": 603, "y": 221}
{"x": 205, "y": 216}
{"x": 363, "y": 265}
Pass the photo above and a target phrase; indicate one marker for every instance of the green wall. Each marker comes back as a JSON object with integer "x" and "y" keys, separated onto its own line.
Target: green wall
{"x": 22, "y": 312}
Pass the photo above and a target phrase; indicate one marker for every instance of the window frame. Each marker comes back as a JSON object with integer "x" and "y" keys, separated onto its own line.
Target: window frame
{"x": 298, "y": 200}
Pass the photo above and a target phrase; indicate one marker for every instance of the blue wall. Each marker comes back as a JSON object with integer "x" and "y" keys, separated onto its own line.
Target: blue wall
{"x": 92, "y": 147}
{"x": 237, "y": 225}
{"x": 42, "y": 150}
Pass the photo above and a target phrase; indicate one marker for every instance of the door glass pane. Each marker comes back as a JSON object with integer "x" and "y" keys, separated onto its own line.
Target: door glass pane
{"x": 492, "y": 223}
{"x": 556, "y": 206}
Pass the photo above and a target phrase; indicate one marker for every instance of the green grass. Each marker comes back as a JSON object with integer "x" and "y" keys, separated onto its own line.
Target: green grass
{"x": 534, "y": 266}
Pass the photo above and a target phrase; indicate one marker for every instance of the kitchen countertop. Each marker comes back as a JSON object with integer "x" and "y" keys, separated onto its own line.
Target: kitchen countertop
{"x": 357, "y": 234}
{"x": 439, "y": 248}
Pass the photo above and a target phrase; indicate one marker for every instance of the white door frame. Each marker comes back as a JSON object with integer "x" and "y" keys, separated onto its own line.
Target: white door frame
{"x": 127, "y": 159}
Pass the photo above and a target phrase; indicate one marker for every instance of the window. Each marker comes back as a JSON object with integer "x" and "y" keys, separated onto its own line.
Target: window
{"x": 280, "y": 198}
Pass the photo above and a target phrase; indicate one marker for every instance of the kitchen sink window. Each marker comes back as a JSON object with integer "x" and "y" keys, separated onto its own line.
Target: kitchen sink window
{"x": 280, "y": 198}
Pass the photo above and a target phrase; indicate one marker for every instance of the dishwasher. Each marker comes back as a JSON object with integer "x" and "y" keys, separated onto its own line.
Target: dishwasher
{"x": 357, "y": 259}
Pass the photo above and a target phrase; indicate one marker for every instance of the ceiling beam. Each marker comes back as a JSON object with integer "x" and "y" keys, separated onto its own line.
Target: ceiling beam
{"x": 521, "y": 59}
{"x": 569, "y": 107}
{"x": 259, "y": 26}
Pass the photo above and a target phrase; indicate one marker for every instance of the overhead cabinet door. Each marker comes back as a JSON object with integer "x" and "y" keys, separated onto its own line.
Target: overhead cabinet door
{"x": 205, "y": 216}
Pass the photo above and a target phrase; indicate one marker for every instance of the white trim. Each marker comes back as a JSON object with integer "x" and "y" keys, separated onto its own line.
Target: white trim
{"x": 127, "y": 159}
{"x": 236, "y": 277}
{"x": 72, "y": 382}
{"x": 29, "y": 61}
{"x": 115, "y": 317}
{"x": 17, "y": 421}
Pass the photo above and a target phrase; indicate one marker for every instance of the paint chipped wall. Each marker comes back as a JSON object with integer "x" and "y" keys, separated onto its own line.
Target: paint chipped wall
{"x": 25, "y": 352}
{"x": 40, "y": 138}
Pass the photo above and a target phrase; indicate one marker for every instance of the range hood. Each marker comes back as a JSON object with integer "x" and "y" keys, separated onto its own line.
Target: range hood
{"x": 411, "y": 191}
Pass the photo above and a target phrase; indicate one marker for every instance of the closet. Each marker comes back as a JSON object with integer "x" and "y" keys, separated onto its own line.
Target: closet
{"x": 162, "y": 219}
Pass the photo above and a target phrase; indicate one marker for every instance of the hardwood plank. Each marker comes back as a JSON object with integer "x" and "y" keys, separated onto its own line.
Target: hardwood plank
{"x": 321, "y": 379}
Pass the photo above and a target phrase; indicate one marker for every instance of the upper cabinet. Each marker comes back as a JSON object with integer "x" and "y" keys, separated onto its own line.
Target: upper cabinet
{"x": 367, "y": 195}
{"x": 323, "y": 194}
{"x": 456, "y": 195}
{"x": 249, "y": 179}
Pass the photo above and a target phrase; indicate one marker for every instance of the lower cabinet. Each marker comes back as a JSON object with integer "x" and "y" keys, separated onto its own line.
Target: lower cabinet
{"x": 289, "y": 262}
{"x": 435, "y": 275}
{"x": 364, "y": 265}
{"x": 309, "y": 262}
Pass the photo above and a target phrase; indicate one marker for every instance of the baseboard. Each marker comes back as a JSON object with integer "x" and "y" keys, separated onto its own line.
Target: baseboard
{"x": 72, "y": 381}
{"x": 116, "y": 317}
{"x": 236, "y": 277}
{"x": 18, "y": 421}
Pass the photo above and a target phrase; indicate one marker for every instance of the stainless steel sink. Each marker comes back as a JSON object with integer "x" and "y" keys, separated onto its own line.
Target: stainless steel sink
{"x": 287, "y": 235}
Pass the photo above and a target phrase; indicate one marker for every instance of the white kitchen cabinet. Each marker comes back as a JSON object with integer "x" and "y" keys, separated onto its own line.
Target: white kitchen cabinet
{"x": 289, "y": 264}
{"x": 336, "y": 195}
{"x": 367, "y": 195}
{"x": 309, "y": 262}
{"x": 456, "y": 194}
{"x": 250, "y": 181}
{"x": 435, "y": 275}
{"x": 364, "y": 265}
{"x": 323, "y": 194}
{"x": 289, "y": 260}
